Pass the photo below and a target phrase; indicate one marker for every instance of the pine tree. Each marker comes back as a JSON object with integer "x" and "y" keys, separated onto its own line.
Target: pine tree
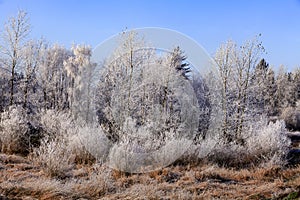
{"x": 270, "y": 93}
{"x": 263, "y": 89}
{"x": 178, "y": 60}
{"x": 296, "y": 80}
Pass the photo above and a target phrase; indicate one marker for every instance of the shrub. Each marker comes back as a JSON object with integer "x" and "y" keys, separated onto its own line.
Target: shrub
{"x": 268, "y": 141}
{"x": 54, "y": 153}
{"x": 54, "y": 156}
{"x": 264, "y": 144}
{"x": 291, "y": 116}
{"x": 57, "y": 124}
{"x": 89, "y": 144}
{"x": 13, "y": 129}
{"x": 140, "y": 150}
{"x": 68, "y": 141}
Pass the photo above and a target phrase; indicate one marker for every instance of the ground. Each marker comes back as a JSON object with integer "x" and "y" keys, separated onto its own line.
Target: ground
{"x": 20, "y": 179}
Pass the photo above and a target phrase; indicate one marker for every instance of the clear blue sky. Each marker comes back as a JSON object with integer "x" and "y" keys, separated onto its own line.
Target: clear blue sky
{"x": 209, "y": 22}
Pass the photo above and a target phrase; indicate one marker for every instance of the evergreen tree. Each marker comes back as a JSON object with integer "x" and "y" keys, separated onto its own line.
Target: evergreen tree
{"x": 296, "y": 80}
{"x": 178, "y": 60}
{"x": 263, "y": 89}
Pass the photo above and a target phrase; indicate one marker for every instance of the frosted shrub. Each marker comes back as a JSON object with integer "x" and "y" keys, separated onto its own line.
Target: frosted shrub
{"x": 86, "y": 142}
{"x": 54, "y": 153}
{"x": 13, "y": 127}
{"x": 215, "y": 150}
{"x": 54, "y": 156}
{"x": 141, "y": 151}
{"x": 268, "y": 141}
{"x": 57, "y": 124}
{"x": 291, "y": 116}
{"x": 265, "y": 143}
{"x": 89, "y": 144}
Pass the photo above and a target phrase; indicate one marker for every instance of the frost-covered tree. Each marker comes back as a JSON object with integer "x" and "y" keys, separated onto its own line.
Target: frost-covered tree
{"x": 178, "y": 61}
{"x": 14, "y": 38}
{"x": 296, "y": 75}
{"x": 263, "y": 89}
{"x": 31, "y": 61}
{"x": 270, "y": 95}
{"x": 246, "y": 61}
{"x": 119, "y": 69}
{"x": 236, "y": 66}
{"x": 52, "y": 78}
{"x": 80, "y": 72}
{"x": 286, "y": 89}
{"x": 144, "y": 92}
{"x": 4, "y": 87}
{"x": 225, "y": 62}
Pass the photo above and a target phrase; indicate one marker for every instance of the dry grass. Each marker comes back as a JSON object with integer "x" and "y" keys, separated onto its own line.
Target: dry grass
{"x": 20, "y": 179}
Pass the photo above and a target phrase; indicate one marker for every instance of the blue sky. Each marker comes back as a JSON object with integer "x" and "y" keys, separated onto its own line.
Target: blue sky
{"x": 209, "y": 22}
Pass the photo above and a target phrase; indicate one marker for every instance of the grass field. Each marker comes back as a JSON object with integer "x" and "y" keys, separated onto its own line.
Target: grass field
{"x": 20, "y": 179}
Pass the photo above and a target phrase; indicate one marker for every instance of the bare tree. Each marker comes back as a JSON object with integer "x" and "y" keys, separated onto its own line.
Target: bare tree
{"x": 52, "y": 78}
{"x": 32, "y": 56}
{"x": 286, "y": 89}
{"x": 14, "y": 38}
{"x": 236, "y": 66}
{"x": 225, "y": 62}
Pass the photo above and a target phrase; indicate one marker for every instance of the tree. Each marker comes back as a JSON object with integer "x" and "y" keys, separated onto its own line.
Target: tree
{"x": 80, "y": 71}
{"x": 296, "y": 79}
{"x": 236, "y": 66}
{"x": 225, "y": 62}
{"x": 286, "y": 89}
{"x": 117, "y": 76}
{"x": 52, "y": 78}
{"x": 263, "y": 89}
{"x": 178, "y": 61}
{"x": 270, "y": 94}
{"x": 142, "y": 95}
{"x": 14, "y": 38}
{"x": 245, "y": 64}
{"x": 32, "y": 56}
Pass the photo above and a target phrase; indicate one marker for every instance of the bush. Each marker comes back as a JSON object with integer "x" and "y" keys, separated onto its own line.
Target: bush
{"x": 268, "y": 141}
{"x": 54, "y": 153}
{"x": 54, "y": 156}
{"x": 264, "y": 144}
{"x": 57, "y": 124}
{"x": 291, "y": 116}
{"x": 13, "y": 129}
{"x": 68, "y": 141}
{"x": 89, "y": 145}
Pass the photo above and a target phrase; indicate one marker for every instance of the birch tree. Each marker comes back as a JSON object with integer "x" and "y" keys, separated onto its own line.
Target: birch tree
{"x": 236, "y": 66}
{"x": 80, "y": 71}
{"x": 225, "y": 62}
{"x": 14, "y": 38}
